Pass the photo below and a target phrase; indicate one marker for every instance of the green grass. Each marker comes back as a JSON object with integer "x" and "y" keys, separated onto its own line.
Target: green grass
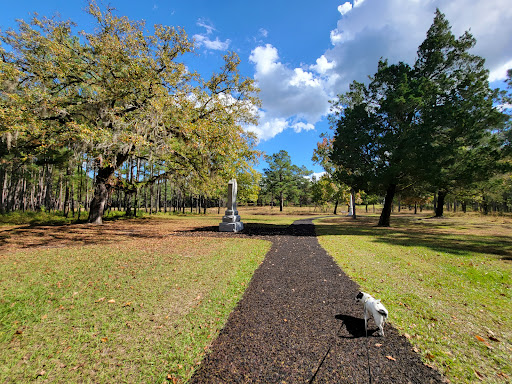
{"x": 141, "y": 310}
{"x": 447, "y": 284}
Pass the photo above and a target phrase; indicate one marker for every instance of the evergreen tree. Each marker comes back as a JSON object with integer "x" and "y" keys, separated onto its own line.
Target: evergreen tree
{"x": 282, "y": 178}
{"x": 459, "y": 120}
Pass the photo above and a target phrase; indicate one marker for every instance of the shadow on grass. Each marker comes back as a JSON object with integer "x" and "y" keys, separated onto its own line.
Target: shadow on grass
{"x": 422, "y": 233}
{"x": 303, "y": 227}
{"x": 122, "y": 229}
{"x": 53, "y": 235}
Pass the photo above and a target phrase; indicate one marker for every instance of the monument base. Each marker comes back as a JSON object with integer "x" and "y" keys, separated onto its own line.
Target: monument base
{"x": 231, "y": 227}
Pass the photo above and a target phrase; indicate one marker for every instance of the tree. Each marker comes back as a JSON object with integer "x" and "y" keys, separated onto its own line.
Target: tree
{"x": 248, "y": 186}
{"x": 431, "y": 125}
{"x": 459, "y": 119}
{"x": 336, "y": 190}
{"x": 374, "y": 139}
{"x": 282, "y": 178}
{"x": 118, "y": 93}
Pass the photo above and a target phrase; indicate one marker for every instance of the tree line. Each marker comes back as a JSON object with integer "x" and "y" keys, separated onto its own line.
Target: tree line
{"x": 435, "y": 127}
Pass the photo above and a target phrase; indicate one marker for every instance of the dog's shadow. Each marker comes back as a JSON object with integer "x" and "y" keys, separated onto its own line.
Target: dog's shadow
{"x": 353, "y": 327}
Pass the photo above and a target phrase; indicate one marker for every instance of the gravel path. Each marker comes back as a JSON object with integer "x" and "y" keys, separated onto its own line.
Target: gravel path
{"x": 298, "y": 323}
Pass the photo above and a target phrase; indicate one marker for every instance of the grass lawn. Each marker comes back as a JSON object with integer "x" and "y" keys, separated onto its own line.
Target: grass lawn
{"x": 122, "y": 302}
{"x": 447, "y": 284}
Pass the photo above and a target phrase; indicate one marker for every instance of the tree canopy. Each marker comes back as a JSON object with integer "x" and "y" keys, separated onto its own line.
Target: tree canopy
{"x": 282, "y": 178}
{"x": 434, "y": 124}
{"x": 120, "y": 92}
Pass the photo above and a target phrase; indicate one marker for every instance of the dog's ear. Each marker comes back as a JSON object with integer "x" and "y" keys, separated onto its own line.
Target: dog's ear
{"x": 359, "y": 295}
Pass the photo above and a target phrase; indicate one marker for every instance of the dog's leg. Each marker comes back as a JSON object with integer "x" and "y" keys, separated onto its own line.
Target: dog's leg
{"x": 380, "y": 324}
{"x": 365, "y": 321}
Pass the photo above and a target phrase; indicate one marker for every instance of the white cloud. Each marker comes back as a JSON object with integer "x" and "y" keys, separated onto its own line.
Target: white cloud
{"x": 203, "y": 39}
{"x": 367, "y": 31}
{"x": 323, "y": 65}
{"x": 268, "y": 128}
{"x": 263, "y": 32}
{"x": 291, "y": 97}
{"x": 372, "y": 29}
{"x": 300, "y": 126}
{"x": 302, "y": 78}
{"x": 345, "y": 8}
{"x": 316, "y": 175}
{"x": 216, "y": 44}
{"x": 500, "y": 73}
{"x": 265, "y": 59}
{"x": 205, "y": 24}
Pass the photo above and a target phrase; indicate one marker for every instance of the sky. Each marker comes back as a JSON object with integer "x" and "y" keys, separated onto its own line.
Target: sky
{"x": 301, "y": 53}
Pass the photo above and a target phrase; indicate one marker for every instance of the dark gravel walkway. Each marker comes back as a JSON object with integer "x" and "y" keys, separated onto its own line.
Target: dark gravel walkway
{"x": 298, "y": 323}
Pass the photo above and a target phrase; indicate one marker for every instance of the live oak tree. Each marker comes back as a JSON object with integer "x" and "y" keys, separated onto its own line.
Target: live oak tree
{"x": 118, "y": 93}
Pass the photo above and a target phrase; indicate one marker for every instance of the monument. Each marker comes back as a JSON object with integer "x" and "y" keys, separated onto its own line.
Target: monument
{"x": 231, "y": 220}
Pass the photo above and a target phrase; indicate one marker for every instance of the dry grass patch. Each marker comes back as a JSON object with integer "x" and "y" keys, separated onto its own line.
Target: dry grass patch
{"x": 447, "y": 283}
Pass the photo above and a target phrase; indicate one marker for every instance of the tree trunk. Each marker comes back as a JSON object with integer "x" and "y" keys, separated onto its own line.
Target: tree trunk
{"x": 386, "y": 210}
{"x": 102, "y": 189}
{"x": 336, "y": 207}
{"x": 3, "y": 199}
{"x": 440, "y": 202}
{"x": 281, "y": 201}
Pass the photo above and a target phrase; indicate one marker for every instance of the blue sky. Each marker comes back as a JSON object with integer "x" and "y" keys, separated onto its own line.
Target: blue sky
{"x": 302, "y": 53}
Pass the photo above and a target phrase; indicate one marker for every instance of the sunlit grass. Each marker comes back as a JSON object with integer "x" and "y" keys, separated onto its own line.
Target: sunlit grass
{"x": 129, "y": 310}
{"x": 447, "y": 284}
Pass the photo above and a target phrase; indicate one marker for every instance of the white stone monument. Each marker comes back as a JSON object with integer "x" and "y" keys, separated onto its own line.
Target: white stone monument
{"x": 231, "y": 220}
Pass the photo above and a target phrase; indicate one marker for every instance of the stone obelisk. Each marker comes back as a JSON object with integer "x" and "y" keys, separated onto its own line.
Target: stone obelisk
{"x": 231, "y": 220}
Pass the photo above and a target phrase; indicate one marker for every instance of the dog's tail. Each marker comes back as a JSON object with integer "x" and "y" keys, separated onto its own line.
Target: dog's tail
{"x": 383, "y": 312}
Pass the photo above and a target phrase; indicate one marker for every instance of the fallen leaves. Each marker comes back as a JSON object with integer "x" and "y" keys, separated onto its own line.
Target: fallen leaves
{"x": 479, "y": 338}
{"x": 479, "y": 375}
{"x": 390, "y": 358}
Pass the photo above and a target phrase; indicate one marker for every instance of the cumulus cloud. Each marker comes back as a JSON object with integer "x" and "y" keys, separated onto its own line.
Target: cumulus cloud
{"x": 345, "y": 8}
{"x": 293, "y": 98}
{"x": 371, "y": 29}
{"x": 268, "y": 127}
{"x": 366, "y": 31}
{"x": 500, "y": 72}
{"x": 323, "y": 65}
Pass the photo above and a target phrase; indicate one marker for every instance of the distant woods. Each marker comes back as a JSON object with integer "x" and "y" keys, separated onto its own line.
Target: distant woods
{"x": 134, "y": 188}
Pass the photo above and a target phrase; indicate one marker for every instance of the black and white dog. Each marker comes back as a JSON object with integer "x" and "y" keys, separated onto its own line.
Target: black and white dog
{"x": 376, "y": 308}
